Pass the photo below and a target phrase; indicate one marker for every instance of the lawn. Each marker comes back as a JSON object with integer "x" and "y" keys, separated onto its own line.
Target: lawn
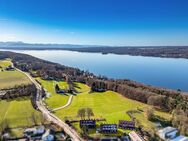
{"x": 55, "y": 100}
{"x": 9, "y": 79}
{"x": 5, "y": 63}
{"x": 18, "y": 112}
{"x": 108, "y": 105}
{"x": 80, "y": 88}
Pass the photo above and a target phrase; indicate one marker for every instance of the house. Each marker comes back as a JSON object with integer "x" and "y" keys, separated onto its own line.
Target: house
{"x": 89, "y": 123}
{"x": 123, "y": 124}
{"x": 2, "y": 94}
{"x": 168, "y": 133}
{"x": 61, "y": 92}
{"x": 180, "y": 138}
{"x": 39, "y": 130}
{"x": 108, "y": 128}
{"x": 10, "y": 68}
{"x": 47, "y": 136}
{"x": 135, "y": 136}
{"x": 29, "y": 131}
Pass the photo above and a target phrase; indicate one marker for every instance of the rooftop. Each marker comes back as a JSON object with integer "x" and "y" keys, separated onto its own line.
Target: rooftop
{"x": 180, "y": 138}
{"x": 167, "y": 130}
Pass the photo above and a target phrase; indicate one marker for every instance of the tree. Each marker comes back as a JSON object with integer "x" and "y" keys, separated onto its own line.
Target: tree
{"x": 81, "y": 113}
{"x": 85, "y": 112}
{"x": 57, "y": 88}
{"x": 180, "y": 120}
{"x": 89, "y": 112}
{"x": 149, "y": 113}
{"x": 158, "y": 100}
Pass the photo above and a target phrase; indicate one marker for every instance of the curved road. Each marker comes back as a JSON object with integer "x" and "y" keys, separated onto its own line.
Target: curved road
{"x": 51, "y": 117}
{"x": 66, "y": 105}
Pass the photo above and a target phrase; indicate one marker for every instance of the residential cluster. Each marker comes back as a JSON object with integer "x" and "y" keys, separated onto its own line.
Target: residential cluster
{"x": 110, "y": 129}
{"x": 38, "y": 133}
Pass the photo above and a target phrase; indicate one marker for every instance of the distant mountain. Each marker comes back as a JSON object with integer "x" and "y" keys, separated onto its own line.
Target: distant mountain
{"x": 16, "y": 45}
{"x": 155, "y": 51}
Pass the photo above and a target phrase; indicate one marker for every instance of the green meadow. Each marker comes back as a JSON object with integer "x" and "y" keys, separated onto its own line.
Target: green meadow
{"x": 57, "y": 100}
{"x": 108, "y": 105}
{"x": 18, "y": 112}
{"x": 54, "y": 100}
{"x": 9, "y": 79}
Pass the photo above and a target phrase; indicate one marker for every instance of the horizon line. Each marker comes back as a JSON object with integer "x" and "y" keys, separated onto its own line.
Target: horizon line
{"x": 91, "y": 45}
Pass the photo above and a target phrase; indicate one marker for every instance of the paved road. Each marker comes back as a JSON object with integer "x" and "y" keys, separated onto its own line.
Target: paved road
{"x": 49, "y": 116}
{"x": 66, "y": 105}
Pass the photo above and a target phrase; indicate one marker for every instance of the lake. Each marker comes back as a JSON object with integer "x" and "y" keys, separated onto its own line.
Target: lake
{"x": 162, "y": 72}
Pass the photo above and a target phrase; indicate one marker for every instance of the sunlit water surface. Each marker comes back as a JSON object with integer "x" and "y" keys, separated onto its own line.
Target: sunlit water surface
{"x": 163, "y": 72}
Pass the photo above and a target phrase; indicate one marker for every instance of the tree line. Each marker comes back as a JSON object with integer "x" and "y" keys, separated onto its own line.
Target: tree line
{"x": 19, "y": 91}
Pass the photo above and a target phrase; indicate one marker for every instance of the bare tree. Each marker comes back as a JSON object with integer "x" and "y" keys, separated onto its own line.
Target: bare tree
{"x": 89, "y": 112}
{"x": 81, "y": 113}
{"x": 149, "y": 113}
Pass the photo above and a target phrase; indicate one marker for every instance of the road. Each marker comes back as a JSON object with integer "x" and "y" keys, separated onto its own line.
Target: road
{"x": 48, "y": 115}
{"x": 66, "y": 105}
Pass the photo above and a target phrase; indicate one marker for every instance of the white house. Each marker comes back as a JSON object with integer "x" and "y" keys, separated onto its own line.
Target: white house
{"x": 180, "y": 138}
{"x": 168, "y": 133}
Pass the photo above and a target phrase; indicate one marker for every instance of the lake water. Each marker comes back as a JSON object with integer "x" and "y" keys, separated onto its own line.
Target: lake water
{"x": 162, "y": 72}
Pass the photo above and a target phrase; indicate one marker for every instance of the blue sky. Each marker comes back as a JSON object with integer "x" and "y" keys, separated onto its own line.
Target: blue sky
{"x": 99, "y": 22}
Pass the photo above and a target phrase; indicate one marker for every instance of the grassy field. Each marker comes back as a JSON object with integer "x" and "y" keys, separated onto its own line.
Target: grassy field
{"x": 9, "y": 79}
{"x": 80, "y": 88}
{"x": 55, "y": 100}
{"x": 108, "y": 105}
{"x": 5, "y": 63}
{"x": 18, "y": 112}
